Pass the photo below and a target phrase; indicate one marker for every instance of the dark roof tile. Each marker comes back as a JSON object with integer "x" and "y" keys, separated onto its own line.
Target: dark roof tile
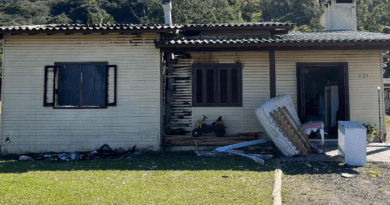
{"x": 256, "y": 24}
{"x": 292, "y": 37}
{"x": 83, "y": 27}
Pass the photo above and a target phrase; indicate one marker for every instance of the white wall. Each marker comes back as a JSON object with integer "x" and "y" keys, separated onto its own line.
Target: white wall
{"x": 255, "y": 85}
{"x": 34, "y": 128}
{"x": 341, "y": 16}
{"x": 363, "y": 91}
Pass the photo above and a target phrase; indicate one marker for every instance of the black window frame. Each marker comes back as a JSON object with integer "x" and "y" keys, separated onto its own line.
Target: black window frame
{"x": 55, "y": 88}
{"x": 344, "y": 1}
{"x": 217, "y": 67}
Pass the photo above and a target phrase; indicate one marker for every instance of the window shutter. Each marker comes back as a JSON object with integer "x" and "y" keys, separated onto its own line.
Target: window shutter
{"x": 300, "y": 91}
{"x": 198, "y": 87}
{"x": 210, "y": 86}
{"x": 111, "y": 85}
{"x": 49, "y": 86}
{"x": 235, "y": 94}
{"x": 94, "y": 78}
{"x": 69, "y": 82}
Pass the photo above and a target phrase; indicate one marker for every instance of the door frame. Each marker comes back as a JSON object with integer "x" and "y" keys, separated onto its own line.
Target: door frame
{"x": 343, "y": 80}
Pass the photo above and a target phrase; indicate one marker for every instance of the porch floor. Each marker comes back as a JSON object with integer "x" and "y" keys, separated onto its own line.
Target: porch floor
{"x": 208, "y": 140}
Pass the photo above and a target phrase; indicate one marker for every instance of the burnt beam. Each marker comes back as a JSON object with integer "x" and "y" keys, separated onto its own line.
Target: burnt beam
{"x": 272, "y": 73}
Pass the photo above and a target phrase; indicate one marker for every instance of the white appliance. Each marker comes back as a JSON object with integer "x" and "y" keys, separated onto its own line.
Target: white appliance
{"x": 352, "y": 143}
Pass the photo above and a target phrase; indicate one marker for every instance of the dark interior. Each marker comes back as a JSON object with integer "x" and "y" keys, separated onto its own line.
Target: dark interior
{"x": 322, "y": 90}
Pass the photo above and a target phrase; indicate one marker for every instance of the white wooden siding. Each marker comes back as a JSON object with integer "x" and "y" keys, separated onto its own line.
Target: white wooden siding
{"x": 34, "y": 128}
{"x": 363, "y": 92}
{"x": 255, "y": 85}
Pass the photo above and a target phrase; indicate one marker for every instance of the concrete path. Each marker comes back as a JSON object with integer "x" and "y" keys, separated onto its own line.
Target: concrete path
{"x": 379, "y": 152}
{"x": 374, "y": 154}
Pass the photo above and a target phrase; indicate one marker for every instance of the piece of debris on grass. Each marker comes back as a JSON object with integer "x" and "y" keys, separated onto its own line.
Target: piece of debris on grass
{"x": 231, "y": 149}
{"x": 154, "y": 167}
{"x": 25, "y": 158}
{"x": 346, "y": 175}
{"x": 205, "y": 153}
{"x": 374, "y": 174}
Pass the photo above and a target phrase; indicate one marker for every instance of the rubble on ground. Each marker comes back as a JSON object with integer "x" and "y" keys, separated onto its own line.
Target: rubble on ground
{"x": 104, "y": 152}
{"x": 230, "y": 149}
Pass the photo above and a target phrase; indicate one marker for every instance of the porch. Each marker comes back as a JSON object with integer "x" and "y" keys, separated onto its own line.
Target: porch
{"x": 209, "y": 140}
{"x": 264, "y": 75}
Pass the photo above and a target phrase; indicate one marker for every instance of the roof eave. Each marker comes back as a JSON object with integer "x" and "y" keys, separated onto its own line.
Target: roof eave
{"x": 278, "y": 46}
{"x": 85, "y": 31}
{"x": 241, "y": 28}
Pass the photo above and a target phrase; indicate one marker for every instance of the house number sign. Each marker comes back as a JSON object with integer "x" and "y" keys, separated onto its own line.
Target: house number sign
{"x": 363, "y": 75}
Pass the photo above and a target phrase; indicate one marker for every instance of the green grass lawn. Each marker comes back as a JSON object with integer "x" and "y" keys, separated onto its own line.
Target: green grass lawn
{"x": 153, "y": 178}
{"x": 388, "y": 123}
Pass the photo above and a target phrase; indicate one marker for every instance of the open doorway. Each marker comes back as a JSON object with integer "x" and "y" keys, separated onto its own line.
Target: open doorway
{"x": 323, "y": 94}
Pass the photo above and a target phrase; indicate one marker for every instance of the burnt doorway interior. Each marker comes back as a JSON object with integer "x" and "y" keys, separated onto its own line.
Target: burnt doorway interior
{"x": 323, "y": 95}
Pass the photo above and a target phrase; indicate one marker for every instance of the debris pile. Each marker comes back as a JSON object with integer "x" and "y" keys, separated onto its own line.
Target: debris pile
{"x": 105, "y": 152}
{"x": 230, "y": 149}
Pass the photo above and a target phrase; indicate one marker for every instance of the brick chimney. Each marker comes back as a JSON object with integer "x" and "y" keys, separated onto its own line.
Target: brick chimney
{"x": 339, "y": 15}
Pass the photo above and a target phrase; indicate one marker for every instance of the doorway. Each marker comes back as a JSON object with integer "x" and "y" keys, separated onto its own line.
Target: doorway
{"x": 323, "y": 94}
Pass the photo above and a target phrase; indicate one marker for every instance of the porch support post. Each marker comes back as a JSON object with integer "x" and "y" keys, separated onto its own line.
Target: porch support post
{"x": 272, "y": 73}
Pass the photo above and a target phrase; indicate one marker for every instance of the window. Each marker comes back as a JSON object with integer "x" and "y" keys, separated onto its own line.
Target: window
{"x": 217, "y": 85}
{"x": 80, "y": 85}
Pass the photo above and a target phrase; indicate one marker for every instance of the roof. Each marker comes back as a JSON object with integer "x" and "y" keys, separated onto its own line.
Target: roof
{"x": 292, "y": 38}
{"x": 256, "y": 25}
{"x": 85, "y": 28}
{"x": 97, "y": 28}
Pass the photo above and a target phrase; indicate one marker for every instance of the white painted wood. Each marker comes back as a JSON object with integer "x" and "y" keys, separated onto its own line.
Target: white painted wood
{"x": 255, "y": 90}
{"x": 363, "y": 91}
{"x": 33, "y": 128}
{"x": 256, "y": 82}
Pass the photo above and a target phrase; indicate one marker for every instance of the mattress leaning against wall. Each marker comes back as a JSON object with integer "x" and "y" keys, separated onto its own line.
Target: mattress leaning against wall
{"x": 273, "y": 131}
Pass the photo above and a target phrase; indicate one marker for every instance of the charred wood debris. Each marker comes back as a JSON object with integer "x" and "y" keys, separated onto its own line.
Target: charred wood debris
{"x": 104, "y": 152}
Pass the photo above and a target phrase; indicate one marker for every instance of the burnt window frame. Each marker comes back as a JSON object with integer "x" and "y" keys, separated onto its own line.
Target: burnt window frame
{"x": 217, "y": 67}
{"x": 344, "y": 1}
{"x": 55, "y": 88}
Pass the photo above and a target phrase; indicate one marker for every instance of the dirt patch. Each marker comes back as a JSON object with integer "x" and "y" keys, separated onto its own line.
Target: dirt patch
{"x": 322, "y": 183}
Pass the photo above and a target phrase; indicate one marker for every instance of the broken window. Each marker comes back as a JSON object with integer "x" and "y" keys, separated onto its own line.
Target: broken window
{"x": 80, "y": 85}
{"x": 217, "y": 85}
